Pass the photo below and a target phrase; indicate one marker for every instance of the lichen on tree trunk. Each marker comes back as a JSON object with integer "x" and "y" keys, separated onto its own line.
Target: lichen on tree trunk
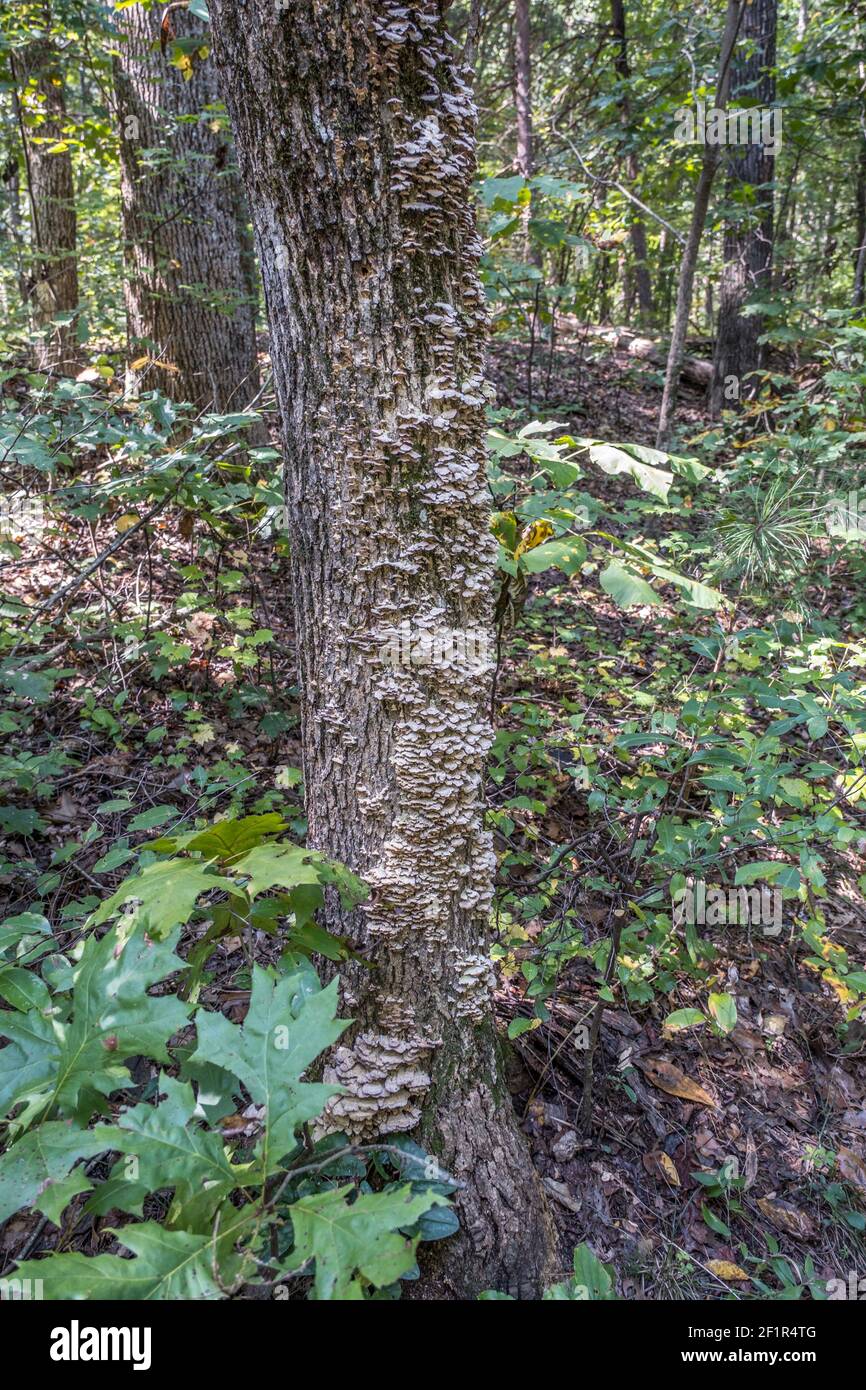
{"x": 355, "y": 132}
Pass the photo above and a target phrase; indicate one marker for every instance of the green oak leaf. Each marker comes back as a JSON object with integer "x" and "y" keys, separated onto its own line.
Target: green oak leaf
{"x": 276, "y": 866}
{"x": 172, "y": 1150}
{"x": 363, "y": 1237}
{"x": 69, "y": 1065}
{"x": 41, "y": 1160}
{"x": 166, "y": 893}
{"x": 168, "y": 1264}
{"x": 287, "y": 1026}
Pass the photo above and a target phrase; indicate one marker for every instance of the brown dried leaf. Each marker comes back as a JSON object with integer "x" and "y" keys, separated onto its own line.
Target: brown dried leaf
{"x": 787, "y": 1218}
{"x": 750, "y": 1170}
{"x": 667, "y": 1077}
{"x": 852, "y": 1169}
{"x": 661, "y": 1166}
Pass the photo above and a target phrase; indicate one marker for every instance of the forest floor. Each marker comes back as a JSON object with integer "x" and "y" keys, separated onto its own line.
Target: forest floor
{"x": 764, "y": 1108}
{"x": 126, "y": 745}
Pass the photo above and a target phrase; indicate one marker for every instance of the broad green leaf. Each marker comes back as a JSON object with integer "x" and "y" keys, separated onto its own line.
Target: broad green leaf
{"x": 168, "y": 1264}
{"x": 23, "y": 990}
{"x": 69, "y": 1064}
{"x": 166, "y": 893}
{"x": 225, "y": 840}
{"x": 172, "y": 1150}
{"x": 42, "y": 1158}
{"x": 683, "y": 1018}
{"x": 285, "y": 1029}
{"x": 592, "y": 1281}
{"x": 567, "y": 555}
{"x": 148, "y": 820}
{"x": 714, "y": 1222}
{"x": 15, "y": 929}
{"x": 724, "y": 1010}
{"x": 113, "y": 1017}
{"x": 626, "y": 588}
{"x": 638, "y": 462}
{"x": 769, "y": 871}
{"x": 698, "y": 594}
{"x": 28, "y": 1063}
{"x": 276, "y": 866}
{"x": 361, "y": 1238}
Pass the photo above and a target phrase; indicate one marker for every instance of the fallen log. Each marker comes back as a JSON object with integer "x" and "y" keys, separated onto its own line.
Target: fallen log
{"x": 695, "y": 370}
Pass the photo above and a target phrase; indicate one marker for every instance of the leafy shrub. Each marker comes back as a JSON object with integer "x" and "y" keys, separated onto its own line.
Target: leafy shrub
{"x": 250, "y": 1198}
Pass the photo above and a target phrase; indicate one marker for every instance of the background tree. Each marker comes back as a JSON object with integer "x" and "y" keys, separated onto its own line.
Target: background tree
{"x": 190, "y": 292}
{"x": 40, "y": 106}
{"x": 355, "y": 134}
{"x": 748, "y": 235}
{"x": 637, "y": 230}
{"x": 688, "y": 265}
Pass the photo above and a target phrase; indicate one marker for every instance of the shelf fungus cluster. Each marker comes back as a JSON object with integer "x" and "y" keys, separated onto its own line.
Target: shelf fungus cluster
{"x": 378, "y": 361}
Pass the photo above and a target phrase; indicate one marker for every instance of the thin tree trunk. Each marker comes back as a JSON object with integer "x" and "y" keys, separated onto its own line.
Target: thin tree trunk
{"x": 709, "y": 165}
{"x": 40, "y": 103}
{"x": 526, "y": 141}
{"x": 802, "y": 19}
{"x": 637, "y": 230}
{"x": 189, "y": 301}
{"x": 11, "y": 180}
{"x": 748, "y": 237}
{"x": 523, "y": 88}
{"x": 860, "y": 219}
{"x": 355, "y": 132}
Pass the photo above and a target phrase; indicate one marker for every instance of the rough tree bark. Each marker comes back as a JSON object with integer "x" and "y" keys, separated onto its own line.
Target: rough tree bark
{"x": 688, "y": 265}
{"x": 53, "y": 278}
{"x": 636, "y": 230}
{"x": 355, "y": 131}
{"x": 189, "y": 293}
{"x": 748, "y": 238}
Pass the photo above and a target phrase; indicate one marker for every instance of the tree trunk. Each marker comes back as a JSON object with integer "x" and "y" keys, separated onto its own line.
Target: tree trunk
{"x": 522, "y": 65}
{"x": 53, "y": 280}
{"x": 637, "y": 230}
{"x": 189, "y": 297}
{"x": 11, "y": 180}
{"x": 355, "y": 132}
{"x": 709, "y": 164}
{"x": 748, "y": 238}
{"x": 523, "y": 87}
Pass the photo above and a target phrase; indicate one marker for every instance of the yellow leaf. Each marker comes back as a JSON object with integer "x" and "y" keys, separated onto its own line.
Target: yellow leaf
{"x": 535, "y": 534}
{"x": 126, "y": 522}
{"x": 669, "y": 1078}
{"x": 139, "y": 362}
{"x": 723, "y": 1269}
{"x": 668, "y": 1167}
